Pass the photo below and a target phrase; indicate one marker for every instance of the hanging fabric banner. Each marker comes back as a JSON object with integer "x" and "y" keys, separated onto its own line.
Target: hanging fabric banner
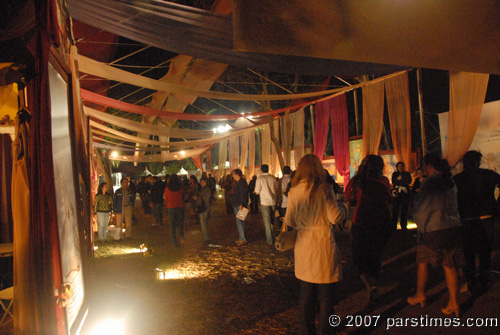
{"x": 322, "y": 114}
{"x": 467, "y": 94}
{"x": 234, "y": 153}
{"x": 266, "y": 144}
{"x": 222, "y": 158}
{"x": 398, "y": 107}
{"x": 251, "y": 157}
{"x": 340, "y": 136}
{"x": 298, "y": 136}
{"x": 244, "y": 150}
{"x": 373, "y": 117}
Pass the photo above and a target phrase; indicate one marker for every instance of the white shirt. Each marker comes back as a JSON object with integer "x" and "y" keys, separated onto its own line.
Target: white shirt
{"x": 266, "y": 186}
{"x": 284, "y": 183}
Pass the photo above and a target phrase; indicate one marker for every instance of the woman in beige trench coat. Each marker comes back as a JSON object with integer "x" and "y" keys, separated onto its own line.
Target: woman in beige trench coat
{"x": 312, "y": 209}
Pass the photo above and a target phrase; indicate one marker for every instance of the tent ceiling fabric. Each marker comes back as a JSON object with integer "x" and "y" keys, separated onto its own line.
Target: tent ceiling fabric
{"x": 199, "y": 33}
{"x": 447, "y": 35}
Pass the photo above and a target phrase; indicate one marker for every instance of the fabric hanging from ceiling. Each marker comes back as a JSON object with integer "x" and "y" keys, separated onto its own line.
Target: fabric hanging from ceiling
{"x": 183, "y": 70}
{"x": 244, "y": 150}
{"x": 222, "y": 158}
{"x": 203, "y": 34}
{"x": 208, "y": 154}
{"x": 150, "y": 129}
{"x": 126, "y": 107}
{"x": 234, "y": 152}
{"x": 398, "y": 107}
{"x": 340, "y": 136}
{"x": 322, "y": 115}
{"x": 171, "y": 156}
{"x": 274, "y": 166}
{"x": 179, "y": 145}
{"x": 265, "y": 144}
{"x": 373, "y": 117}
{"x": 298, "y": 135}
{"x": 286, "y": 135}
{"x": 102, "y": 70}
{"x": 251, "y": 156}
{"x": 198, "y": 162}
{"x": 467, "y": 94}
{"x": 198, "y": 74}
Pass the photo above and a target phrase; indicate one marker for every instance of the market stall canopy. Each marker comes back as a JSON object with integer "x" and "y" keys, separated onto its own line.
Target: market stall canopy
{"x": 205, "y": 34}
{"x": 447, "y": 35}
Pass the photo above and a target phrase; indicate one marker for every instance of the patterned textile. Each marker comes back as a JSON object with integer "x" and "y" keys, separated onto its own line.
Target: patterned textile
{"x": 103, "y": 203}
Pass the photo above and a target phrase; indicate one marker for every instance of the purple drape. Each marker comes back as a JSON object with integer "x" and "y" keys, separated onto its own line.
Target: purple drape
{"x": 340, "y": 135}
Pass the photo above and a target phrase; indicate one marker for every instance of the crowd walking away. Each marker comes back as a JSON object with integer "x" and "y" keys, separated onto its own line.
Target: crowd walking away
{"x": 454, "y": 216}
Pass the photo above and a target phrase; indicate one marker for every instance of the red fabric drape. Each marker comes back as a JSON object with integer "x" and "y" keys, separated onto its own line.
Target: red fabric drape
{"x": 198, "y": 162}
{"x": 5, "y": 188}
{"x": 340, "y": 136}
{"x": 322, "y": 115}
{"x": 44, "y": 266}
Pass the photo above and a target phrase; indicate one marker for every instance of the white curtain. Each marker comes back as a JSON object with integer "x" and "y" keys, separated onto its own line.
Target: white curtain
{"x": 251, "y": 157}
{"x": 222, "y": 158}
{"x": 234, "y": 153}
{"x": 244, "y": 151}
{"x": 266, "y": 144}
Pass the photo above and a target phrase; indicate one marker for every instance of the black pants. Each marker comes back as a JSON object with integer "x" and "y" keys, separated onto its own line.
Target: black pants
{"x": 400, "y": 204}
{"x": 310, "y": 295}
{"x": 368, "y": 243}
{"x": 478, "y": 238}
{"x": 254, "y": 203}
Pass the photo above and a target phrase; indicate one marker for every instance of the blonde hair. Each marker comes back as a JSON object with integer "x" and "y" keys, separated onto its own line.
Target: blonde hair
{"x": 311, "y": 171}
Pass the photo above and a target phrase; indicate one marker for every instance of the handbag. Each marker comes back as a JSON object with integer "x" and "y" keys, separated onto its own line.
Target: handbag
{"x": 286, "y": 238}
{"x": 201, "y": 207}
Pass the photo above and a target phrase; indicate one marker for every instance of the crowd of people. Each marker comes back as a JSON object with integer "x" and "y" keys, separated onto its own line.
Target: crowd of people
{"x": 455, "y": 217}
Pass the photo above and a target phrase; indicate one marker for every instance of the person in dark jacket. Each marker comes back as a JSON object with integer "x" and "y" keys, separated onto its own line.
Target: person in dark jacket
{"x": 203, "y": 197}
{"x": 240, "y": 200}
{"x": 477, "y": 207}
{"x": 157, "y": 190}
{"x": 401, "y": 181}
{"x": 123, "y": 205}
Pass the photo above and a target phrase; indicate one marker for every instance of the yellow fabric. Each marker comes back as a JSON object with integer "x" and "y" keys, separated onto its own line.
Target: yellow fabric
{"x": 24, "y": 312}
{"x": 373, "y": 113}
{"x": 398, "y": 106}
{"x": 467, "y": 94}
{"x": 8, "y": 101}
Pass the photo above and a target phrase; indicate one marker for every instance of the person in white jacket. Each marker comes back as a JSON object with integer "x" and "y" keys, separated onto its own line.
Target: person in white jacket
{"x": 312, "y": 210}
{"x": 266, "y": 186}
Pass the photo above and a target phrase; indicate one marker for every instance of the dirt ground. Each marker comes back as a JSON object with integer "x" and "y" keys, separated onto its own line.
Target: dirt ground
{"x": 224, "y": 289}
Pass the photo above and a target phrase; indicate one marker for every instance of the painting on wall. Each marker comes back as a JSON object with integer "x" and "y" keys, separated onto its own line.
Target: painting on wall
{"x": 69, "y": 239}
